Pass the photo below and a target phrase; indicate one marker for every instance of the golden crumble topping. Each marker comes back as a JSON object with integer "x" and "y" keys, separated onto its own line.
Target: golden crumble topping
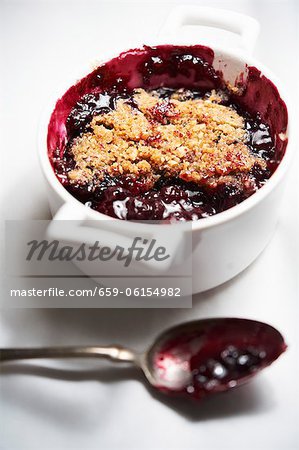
{"x": 198, "y": 140}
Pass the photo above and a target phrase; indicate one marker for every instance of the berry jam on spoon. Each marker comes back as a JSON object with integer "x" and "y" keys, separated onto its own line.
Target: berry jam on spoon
{"x": 194, "y": 359}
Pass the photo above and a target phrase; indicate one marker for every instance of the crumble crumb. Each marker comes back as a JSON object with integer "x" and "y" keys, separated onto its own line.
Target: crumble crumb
{"x": 194, "y": 139}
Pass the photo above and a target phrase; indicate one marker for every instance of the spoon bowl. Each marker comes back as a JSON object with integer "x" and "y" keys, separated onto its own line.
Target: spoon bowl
{"x": 208, "y": 356}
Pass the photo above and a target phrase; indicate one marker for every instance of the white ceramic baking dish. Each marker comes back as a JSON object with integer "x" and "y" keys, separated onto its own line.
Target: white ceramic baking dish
{"x": 222, "y": 245}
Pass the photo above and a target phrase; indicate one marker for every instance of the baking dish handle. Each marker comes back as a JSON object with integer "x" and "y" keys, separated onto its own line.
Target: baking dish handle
{"x": 71, "y": 226}
{"x": 245, "y": 26}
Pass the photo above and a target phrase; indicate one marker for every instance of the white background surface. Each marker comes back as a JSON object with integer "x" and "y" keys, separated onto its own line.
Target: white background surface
{"x": 63, "y": 406}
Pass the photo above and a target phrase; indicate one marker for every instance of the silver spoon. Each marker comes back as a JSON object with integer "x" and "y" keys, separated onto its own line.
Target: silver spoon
{"x": 195, "y": 359}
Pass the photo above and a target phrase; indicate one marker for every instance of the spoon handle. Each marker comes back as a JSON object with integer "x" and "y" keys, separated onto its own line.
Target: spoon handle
{"x": 113, "y": 352}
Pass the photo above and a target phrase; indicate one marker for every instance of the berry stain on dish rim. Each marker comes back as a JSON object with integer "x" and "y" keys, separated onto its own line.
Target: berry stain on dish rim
{"x": 172, "y": 75}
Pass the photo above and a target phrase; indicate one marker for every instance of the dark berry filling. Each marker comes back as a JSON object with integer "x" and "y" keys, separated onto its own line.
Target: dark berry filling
{"x": 131, "y": 198}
